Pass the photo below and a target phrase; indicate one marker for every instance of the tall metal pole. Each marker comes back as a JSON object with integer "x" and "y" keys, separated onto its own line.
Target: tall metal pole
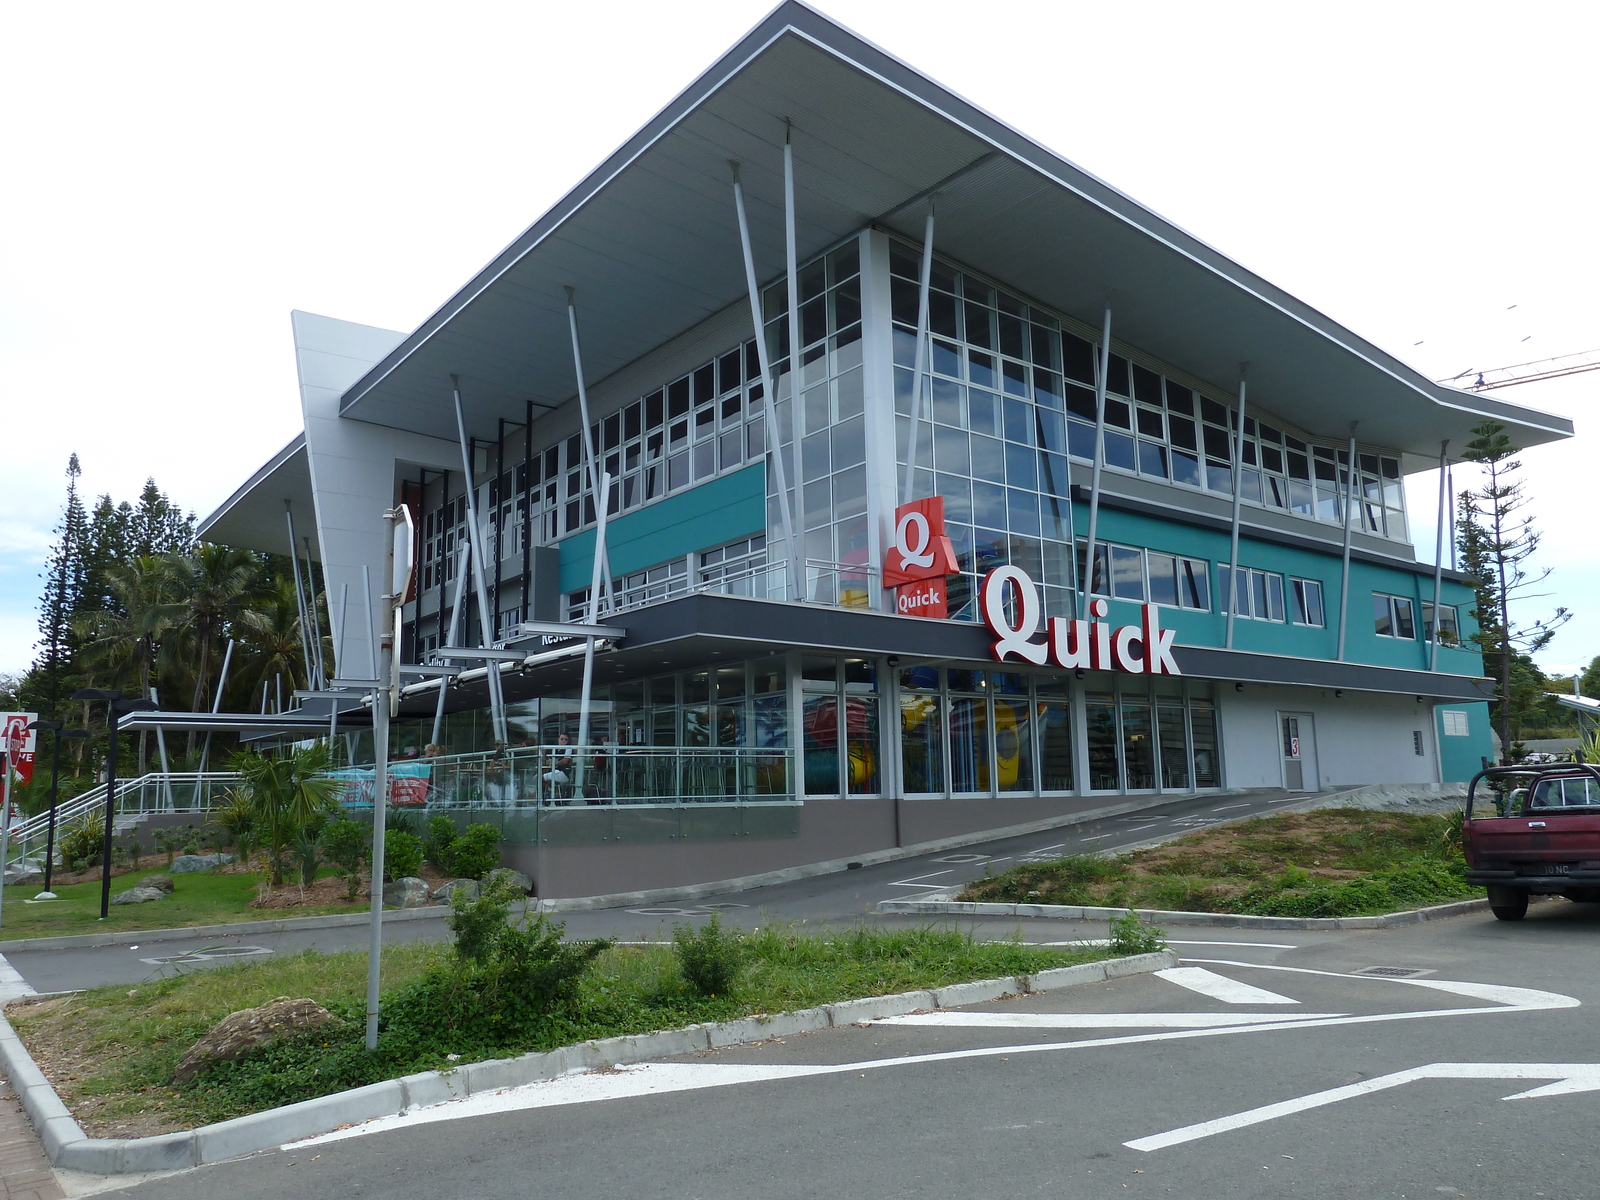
{"x": 591, "y": 467}
{"x": 526, "y": 500}
{"x": 497, "y": 710}
{"x": 299, "y": 598}
{"x": 919, "y": 356}
{"x": 792, "y": 262}
{"x": 381, "y": 700}
{"x": 6, "y": 755}
{"x": 216, "y": 703}
{"x": 450, "y": 640}
{"x": 585, "y": 697}
{"x": 769, "y": 393}
{"x": 316, "y": 618}
{"x": 50, "y": 823}
{"x": 1450, "y": 489}
{"x": 1086, "y": 584}
{"x": 1438, "y": 555}
{"x": 1233, "y": 524}
{"x": 111, "y": 811}
{"x": 1352, "y": 474}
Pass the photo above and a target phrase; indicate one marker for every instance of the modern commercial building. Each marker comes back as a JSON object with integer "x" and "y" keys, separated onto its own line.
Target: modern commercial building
{"x": 1243, "y": 439}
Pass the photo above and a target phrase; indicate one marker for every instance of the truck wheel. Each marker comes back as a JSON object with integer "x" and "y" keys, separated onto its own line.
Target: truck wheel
{"x": 1508, "y": 904}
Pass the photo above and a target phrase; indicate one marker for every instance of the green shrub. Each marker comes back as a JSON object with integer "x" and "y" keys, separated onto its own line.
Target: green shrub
{"x": 82, "y": 843}
{"x": 709, "y": 958}
{"x": 437, "y": 835}
{"x": 474, "y": 853}
{"x": 344, "y": 842}
{"x": 1410, "y": 886}
{"x": 1130, "y": 935}
{"x": 402, "y": 854}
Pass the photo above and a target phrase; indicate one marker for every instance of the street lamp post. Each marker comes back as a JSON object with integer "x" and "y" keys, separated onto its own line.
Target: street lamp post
{"x": 115, "y": 707}
{"x": 55, "y": 778}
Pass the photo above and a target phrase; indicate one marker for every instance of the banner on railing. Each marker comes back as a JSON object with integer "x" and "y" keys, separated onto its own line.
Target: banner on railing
{"x": 408, "y": 785}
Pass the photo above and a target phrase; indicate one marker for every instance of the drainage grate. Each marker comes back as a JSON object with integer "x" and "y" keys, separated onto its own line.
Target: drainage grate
{"x": 1394, "y": 972}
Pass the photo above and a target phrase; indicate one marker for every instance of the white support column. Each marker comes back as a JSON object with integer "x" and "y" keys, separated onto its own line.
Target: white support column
{"x": 1102, "y": 371}
{"x": 882, "y": 419}
{"x": 585, "y": 697}
{"x": 497, "y": 707}
{"x": 769, "y": 394}
{"x": 1353, "y": 474}
{"x": 299, "y": 602}
{"x": 919, "y": 359}
{"x": 796, "y": 369}
{"x": 452, "y": 635}
{"x": 1232, "y": 598}
{"x": 1438, "y": 554}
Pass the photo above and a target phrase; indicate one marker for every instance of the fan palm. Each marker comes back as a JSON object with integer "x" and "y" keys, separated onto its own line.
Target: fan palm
{"x": 288, "y": 795}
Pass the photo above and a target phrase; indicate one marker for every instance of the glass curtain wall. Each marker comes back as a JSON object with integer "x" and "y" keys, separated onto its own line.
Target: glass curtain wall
{"x": 839, "y": 726}
{"x": 1148, "y": 733}
{"x": 984, "y": 731}
{"x": 1011, "y": 404}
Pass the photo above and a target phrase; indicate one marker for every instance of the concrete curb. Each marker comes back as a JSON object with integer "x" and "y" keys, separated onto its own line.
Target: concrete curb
{"x": 692, "y": 891}
{"x": 69, "y": 1148}
{"x": 1075, "y": 912}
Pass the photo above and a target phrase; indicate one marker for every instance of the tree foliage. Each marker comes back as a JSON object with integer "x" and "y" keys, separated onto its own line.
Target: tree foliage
{"x": 1495, "y": 540}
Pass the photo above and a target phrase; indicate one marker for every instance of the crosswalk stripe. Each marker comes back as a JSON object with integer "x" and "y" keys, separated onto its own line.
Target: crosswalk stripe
{"x": 1220, "y": 987}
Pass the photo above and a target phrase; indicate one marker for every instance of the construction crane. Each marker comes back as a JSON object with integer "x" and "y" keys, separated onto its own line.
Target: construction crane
{"x": 1529, "y": 372}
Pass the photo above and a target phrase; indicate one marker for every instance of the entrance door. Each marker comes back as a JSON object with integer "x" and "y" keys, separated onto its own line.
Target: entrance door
{"x": 1299, "y": 747}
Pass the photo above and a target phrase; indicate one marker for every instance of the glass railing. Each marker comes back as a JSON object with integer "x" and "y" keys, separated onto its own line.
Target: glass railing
{"x": 844, "y": 585}
{"x": 566, "y": 776}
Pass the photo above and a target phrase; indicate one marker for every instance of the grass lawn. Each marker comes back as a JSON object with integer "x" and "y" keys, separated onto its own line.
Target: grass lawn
{"x": 110, "y": 1052}
{"x": 197, "y": 899}
{"x": 1335, "y": 862}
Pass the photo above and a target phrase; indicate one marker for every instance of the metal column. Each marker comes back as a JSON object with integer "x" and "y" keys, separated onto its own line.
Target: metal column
{"x": 1232, "y": 598}
{"x": 919, "y": 356}
{"x": 497, "y": 707}
{"x": 299, "y": 602}
{"x": 1438, "y": 554}
{"x": 1352, "y": 474}
{"x": 1100, "y": 377}
{"x": 791, "y": 256}
{"x": 769, "y": 393}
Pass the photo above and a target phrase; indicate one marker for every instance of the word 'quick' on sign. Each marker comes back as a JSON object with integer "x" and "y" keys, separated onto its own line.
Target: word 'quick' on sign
{"x": 1137, "y": 649}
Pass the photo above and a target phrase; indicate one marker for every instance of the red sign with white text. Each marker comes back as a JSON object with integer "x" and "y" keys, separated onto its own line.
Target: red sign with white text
{"x": 1137, "y": 649}
{"x": 925, "y": 598}
{"x": 921, "y": 550}
{"x": 18, "y": 742}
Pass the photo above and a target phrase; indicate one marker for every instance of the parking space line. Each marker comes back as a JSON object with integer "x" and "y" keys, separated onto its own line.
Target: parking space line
{"x": 1220, "y": 987}
{"x": 1122, "y": 1020}
{"x": 912, "y": 882}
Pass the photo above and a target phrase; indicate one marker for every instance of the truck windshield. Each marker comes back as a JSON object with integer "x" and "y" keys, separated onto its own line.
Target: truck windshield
{"x": 1581, "y": 791}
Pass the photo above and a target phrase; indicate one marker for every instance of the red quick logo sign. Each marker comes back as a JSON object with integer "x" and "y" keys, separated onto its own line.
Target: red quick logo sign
{"x": 919, "y": 560}
{"x": 1144, "y": 648}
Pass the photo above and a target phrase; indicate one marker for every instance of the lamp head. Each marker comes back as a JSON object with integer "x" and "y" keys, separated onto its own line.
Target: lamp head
{"x": 45, "y": 726}
{"x": 97, "y": 694}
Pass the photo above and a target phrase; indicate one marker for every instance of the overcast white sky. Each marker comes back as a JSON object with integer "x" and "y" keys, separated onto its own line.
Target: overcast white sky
{"x": 180, "y": 176}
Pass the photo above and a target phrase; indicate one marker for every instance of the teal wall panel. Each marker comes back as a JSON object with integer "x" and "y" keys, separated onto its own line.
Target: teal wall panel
{"x": 719, "y": 510}
{"x": 1363, "y": 645}
{"x": 1460, "y": 758}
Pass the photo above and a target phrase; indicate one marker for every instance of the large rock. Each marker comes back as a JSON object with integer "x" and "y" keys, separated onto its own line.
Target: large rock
{"x": 138, "y": 895}
{"x": 186, "y": 864}
{"x": 162, "y": 882}
{"x": 20, "y": 870}
{"x": 517, "y": 879}
{"x": 469, "y": 889}
{"x": 407, "y": 892}
{"x": 239, "y": 1033}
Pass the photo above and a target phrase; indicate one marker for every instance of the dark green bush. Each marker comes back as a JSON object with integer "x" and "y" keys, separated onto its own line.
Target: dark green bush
{"x": 344, "y": 844}
{"x": 402, "y": 854}
{"x": 710, "y": 958}
{"x": 474, "y": 853}
{"x": 437, "y": 835}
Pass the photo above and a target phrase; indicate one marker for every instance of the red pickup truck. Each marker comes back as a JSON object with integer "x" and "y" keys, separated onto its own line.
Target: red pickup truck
{"x": 1534, "y": 831}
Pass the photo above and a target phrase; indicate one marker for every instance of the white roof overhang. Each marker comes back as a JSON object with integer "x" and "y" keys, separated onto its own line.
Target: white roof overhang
{"x": 254, "y": 517}
{"x": 649, "y": 241}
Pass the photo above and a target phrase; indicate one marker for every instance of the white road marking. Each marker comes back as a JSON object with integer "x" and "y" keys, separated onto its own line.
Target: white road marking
{"x": 1095, "y": 838}
{"x": 1570, "y": 1078}
{"x": 1220, "y": 987}
{"x": 653, "y": 1078}
{"x": 12, "y": 985}
{"x": 1225, "y": 807}
{"x": 1137, "y": 828}
{"x": 1268, "y": 945}
{"x": 912, "y": 882}
{"x": 1158, "y": 1020}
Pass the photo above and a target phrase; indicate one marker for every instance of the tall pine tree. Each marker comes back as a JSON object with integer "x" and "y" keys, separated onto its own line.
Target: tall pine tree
{"x": 63, "y": 597}
{"x": 1496, "y": 538}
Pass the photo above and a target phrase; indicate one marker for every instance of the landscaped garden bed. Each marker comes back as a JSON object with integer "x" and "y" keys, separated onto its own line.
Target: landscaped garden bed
{"x": 1335, "y": 862}
{"x": 502, "y": 989}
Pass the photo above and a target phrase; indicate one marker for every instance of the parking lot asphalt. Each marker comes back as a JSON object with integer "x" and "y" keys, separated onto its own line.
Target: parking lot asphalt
{"x": 1455, "y": 1058}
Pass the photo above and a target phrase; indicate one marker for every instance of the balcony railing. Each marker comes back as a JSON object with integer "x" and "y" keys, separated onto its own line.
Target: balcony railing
{"x": 846, "y": 585}
{"x": 548, "y": 776}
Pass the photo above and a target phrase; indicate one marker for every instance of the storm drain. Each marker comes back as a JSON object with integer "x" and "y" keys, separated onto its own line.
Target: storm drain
{"x": 1394, "y": 972}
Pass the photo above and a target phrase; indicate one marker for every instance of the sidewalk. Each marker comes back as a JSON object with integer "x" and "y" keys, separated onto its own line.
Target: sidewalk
{"x": 24, "y": 1171}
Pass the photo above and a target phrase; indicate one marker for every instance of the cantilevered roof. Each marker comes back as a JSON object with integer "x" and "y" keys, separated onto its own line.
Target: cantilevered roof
{"x": 254, "y": 515}
{"x": 649, "y": 241}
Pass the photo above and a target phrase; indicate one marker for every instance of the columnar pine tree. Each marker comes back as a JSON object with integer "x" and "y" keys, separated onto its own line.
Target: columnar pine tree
{"x": 1496, "y": 538}
{"x": 63, "y": 594}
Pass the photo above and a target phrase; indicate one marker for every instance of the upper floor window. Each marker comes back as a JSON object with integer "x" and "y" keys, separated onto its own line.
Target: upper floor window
{"x": 1392, "y": 616}
{"x": 1130, "y": 573}
{"x": 1305, "y": 602}
{"x": 1449, "y": 632}
{"x": 1260, "y": 595}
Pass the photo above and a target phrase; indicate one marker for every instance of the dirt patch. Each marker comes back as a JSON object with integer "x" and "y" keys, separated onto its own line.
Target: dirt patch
{"x": 329, "y": 892}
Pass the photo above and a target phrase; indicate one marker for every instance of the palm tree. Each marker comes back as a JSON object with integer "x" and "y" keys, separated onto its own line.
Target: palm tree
{"x": 271, "y": 636}
{"x": 118, "y": 647}
{"x": 209, "y": 591}
{"x": 288, "y": 797}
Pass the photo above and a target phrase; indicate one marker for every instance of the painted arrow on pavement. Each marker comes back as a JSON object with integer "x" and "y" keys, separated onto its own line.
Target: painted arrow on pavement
{"x": 1569, "y": 1078}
